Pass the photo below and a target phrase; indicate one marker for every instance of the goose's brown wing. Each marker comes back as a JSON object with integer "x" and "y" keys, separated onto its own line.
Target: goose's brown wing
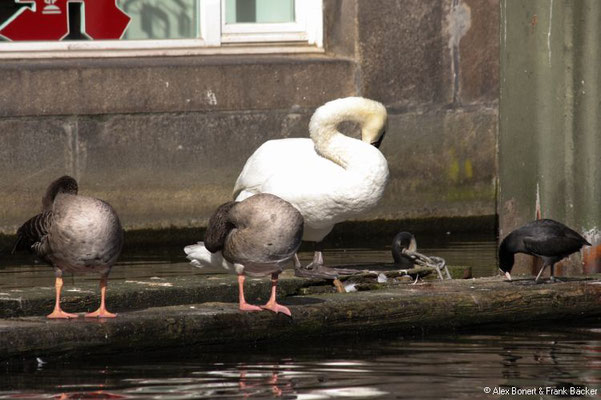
{"x": 32, "y": 235}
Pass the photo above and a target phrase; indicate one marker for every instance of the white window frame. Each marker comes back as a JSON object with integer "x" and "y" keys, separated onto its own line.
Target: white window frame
{"x": 302, "y": 36}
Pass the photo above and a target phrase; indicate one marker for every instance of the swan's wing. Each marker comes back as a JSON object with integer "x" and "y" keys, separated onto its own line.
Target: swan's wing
{"x": 272, "y": 158}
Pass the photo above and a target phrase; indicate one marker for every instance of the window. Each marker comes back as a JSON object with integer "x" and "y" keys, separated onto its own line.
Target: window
{"x": 157, "y": 27}
{"x": 267, "y": 20}
{"x": 160, "y": 19}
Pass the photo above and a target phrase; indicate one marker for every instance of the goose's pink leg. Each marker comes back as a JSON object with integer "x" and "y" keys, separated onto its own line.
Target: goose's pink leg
{"x": 272, "y": 303}
{"x": 102, "y": 311}
{"x": 244, "y": 306}
{"x": 58, "y": 313}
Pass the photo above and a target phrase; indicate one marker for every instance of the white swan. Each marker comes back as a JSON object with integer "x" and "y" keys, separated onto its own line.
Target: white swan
{"x": 330, "y": 177}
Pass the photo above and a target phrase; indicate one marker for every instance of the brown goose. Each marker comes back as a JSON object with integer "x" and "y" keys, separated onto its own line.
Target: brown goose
{"x": 76, "y": 234}
{"x": 257, "y": 236}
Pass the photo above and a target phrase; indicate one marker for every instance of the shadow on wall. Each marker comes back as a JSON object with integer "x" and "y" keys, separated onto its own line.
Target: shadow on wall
{"x": 158, "y": 19}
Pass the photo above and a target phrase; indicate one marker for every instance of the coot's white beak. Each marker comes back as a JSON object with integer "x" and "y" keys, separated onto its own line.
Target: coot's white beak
{"x": 508, "y": 276}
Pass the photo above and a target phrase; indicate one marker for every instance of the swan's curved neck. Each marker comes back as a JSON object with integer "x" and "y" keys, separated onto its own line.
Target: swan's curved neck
{"x": 323, "y": 127}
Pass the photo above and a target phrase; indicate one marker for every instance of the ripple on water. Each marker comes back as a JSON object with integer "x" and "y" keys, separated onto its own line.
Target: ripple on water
{"x": 450, "y": 367}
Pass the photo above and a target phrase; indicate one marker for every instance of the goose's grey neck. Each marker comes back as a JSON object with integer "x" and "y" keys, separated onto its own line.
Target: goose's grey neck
{"x": 64, "y": 184}
{"x": 219, "y": 227}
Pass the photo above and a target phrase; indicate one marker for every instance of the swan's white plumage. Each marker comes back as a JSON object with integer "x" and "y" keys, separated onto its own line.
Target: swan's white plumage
{"x": 328, "y": 178}
{"x": 200, "y": 257}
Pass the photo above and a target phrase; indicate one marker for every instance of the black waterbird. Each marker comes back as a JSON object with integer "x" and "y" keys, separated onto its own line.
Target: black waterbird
{"x": 403, "y": 241}
{"x": 545, "y": 238}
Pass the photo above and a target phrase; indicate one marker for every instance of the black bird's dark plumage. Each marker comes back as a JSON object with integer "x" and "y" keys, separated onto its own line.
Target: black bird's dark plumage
{"x": 545, "y": 238}
{"x": 403, "y": 240}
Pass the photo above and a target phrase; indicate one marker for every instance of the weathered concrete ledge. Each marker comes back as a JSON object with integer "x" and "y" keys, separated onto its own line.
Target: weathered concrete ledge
{"x": 434, "y": 305}
{"x": 141, "y": 293}
{"x": 136, "y": 294}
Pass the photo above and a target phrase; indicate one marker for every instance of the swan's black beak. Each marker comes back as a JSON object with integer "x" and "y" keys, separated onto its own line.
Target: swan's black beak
{"x": 378, "y": 142}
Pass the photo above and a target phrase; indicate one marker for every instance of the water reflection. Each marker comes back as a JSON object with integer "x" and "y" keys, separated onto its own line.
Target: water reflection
{"x": 91, "y": 395}
{"x": 449, "y": 367}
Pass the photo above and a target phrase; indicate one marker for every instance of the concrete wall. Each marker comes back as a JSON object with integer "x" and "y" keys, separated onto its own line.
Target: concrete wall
{"x": 163, "y": 139}
{"x": 549, "y": 138}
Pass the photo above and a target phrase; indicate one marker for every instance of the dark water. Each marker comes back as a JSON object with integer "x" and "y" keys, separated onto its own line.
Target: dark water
{"x": 475, "y": 250}
{"x": 549, "y": 358}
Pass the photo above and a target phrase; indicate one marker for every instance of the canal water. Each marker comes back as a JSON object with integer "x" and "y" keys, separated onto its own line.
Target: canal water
{"x": 550, "y": 360}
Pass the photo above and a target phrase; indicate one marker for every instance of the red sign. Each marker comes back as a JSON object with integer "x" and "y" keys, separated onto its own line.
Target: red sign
{"x": 49, "y": 20}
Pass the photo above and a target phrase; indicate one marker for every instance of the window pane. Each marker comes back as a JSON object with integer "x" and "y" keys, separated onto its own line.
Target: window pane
{"x": 260, "y": 11}
{"x": 161, "y": 19}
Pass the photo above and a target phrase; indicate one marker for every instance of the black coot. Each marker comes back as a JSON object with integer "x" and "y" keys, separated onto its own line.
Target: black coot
{"x": 550, "y": 240}
{"x": 403, "y": 240}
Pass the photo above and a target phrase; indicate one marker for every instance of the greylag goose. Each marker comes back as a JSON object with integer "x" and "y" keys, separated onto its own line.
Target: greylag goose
{"x": 75, "y": 234}
{"x": 257, "y": 236}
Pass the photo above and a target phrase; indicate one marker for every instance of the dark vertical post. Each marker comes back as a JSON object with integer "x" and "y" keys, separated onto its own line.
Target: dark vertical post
{"x": 549, "y": 124}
